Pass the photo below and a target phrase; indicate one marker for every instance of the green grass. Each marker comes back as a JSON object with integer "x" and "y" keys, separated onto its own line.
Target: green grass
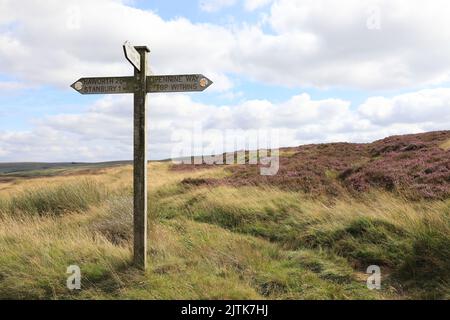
{"x": 68, "y": 197}
{"x": 217, "y": 242}
{"x": 404, "y": 238}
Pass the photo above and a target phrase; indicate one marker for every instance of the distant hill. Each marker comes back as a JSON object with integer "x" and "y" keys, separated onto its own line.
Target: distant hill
{"x": 415, "y": 165}
{"x": 30, "y": 169}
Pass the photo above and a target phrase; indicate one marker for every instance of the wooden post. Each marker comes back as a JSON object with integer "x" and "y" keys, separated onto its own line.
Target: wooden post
{"x": 140, "y": 85}
{"x": 140, "y": 162}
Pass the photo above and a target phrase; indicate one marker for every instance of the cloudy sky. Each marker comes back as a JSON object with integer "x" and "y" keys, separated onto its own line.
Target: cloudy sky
{"x": 317, "y": 70}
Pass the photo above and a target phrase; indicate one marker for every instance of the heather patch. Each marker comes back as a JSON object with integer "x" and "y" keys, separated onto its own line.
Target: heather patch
{"x": 415, "y": 166}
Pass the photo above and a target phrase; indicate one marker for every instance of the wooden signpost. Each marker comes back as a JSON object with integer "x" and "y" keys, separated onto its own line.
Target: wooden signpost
{"x": 140, "y": 84}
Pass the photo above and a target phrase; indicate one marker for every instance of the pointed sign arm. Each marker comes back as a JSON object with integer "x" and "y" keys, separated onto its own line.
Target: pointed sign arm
{"x": 177, "y": 83}
{"x": 102, "y": 85}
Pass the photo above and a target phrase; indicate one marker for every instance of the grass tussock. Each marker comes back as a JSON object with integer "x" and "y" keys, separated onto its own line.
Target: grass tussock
{"x": 405, "y": 238}
{"x": 36, "y": 252}
{"x": 55, "y": 200}
{"x": 117, "y": 226}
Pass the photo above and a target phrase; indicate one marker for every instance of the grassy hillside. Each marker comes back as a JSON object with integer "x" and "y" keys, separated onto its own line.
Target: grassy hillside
{"x": 36, "y": 169}
{"x": 214, "y": 234}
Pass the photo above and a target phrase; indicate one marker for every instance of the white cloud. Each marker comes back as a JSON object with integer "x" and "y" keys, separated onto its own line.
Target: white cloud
{"x": 57, "y": 50}
{"x": 104, "y": 132}
{"x": 320, "y": 43}
{"x": 431, "y": 105}
{"x": 409, "y": 49}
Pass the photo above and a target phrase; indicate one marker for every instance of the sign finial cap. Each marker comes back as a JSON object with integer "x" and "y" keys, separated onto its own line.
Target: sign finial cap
{"x": 139, "y": 48}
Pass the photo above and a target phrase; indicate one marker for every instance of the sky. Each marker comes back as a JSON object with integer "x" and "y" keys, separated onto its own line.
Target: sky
{"x": 314, "y": 71}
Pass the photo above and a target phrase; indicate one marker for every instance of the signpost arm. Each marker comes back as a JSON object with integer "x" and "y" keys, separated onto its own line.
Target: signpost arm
{"x": 140, "y": 163}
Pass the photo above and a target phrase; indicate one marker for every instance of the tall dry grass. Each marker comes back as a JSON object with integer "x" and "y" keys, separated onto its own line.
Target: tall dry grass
{"x": 55, "y": 200}
{"x": 216, "y": 242}
{"x": 410, "y": 240}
